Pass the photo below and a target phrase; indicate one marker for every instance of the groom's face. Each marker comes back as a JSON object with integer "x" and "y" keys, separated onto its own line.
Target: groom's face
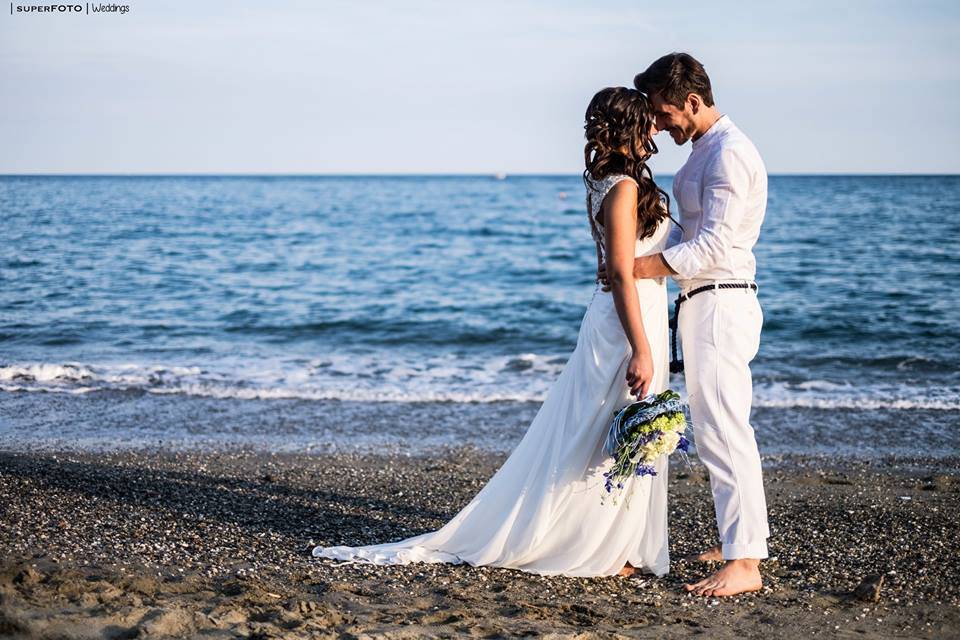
{"x": 679, "y": 122}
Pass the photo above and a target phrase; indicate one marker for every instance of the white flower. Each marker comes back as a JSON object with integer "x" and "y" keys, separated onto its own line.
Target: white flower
{"x": 670, "y": 441}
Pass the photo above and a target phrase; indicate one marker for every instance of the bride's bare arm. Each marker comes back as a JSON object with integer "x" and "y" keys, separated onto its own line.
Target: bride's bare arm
{"x": 620, "y": 238}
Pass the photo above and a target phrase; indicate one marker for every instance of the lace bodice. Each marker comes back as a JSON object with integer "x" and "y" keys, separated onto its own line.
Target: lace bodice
{"x": 597, "y": 190}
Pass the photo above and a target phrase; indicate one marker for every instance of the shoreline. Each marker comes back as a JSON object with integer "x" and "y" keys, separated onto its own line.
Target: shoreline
{"x": 151, "y": 542}
{"x": 135, "y": 420}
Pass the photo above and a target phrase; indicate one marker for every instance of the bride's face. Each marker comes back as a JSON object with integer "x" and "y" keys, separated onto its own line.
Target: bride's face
{"x": 639, "y": 151}
{"x": 643, "y": 153}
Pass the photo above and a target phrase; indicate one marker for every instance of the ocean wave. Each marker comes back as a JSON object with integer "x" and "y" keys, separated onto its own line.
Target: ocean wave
{"x": 75, "y": 372}
{"x": 373, "y": 330}
{"x": 524, "y": 377}
{"x": 899, "y": 362}
{"x": 876, "y": 398}
{"x": 827, "y": 394}
{"x": 21, "y": 263}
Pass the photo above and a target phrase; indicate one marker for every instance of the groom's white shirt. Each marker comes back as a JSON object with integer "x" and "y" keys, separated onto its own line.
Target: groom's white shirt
{"x": 721, "y": 194}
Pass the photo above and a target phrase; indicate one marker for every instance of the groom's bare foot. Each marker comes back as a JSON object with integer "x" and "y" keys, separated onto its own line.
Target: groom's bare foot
{"x": 713, "y": 554}
{"x": 736, "y": 576}
{"x": 627, "y": 571}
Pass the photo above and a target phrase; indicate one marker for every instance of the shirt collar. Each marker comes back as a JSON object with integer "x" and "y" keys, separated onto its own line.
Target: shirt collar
{"x": 722, "y": 124}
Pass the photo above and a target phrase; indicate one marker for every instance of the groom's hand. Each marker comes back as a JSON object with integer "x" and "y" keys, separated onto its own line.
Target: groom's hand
{"x": 605, "y": 282}
{"x": 602, "y": 277}
{"x": 643, "y": 267}
{"x": 652, "y": 266}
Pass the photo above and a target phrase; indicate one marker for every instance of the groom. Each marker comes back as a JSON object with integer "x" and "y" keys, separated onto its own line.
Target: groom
{"x": 721, "y": 194}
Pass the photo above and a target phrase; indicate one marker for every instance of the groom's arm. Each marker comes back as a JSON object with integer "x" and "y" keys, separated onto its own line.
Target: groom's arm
{"x": 725, "y": 185}
{"x": 656, "y": 265}
{"x": 652, "y": 266}
{"x": 726, "y": 182}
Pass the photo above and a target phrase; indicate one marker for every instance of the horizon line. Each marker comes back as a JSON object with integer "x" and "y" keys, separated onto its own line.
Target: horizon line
{"x": 495, "y": 174}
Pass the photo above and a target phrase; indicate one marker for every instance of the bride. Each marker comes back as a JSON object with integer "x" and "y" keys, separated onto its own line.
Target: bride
{"x": 542, "y": 511}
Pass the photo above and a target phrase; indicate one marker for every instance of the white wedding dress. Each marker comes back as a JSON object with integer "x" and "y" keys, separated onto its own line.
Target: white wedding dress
{"x": 541, "y": 512}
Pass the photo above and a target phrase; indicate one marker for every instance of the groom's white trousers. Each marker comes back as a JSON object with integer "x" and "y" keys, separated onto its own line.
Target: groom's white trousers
{"x": 720, "y": 334}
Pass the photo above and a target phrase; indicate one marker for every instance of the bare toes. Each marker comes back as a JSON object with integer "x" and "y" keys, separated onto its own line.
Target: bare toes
{"x": 708, "y": 588}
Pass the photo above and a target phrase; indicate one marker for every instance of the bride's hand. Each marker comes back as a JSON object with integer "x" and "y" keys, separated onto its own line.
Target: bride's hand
{"x": 640, "y": 373}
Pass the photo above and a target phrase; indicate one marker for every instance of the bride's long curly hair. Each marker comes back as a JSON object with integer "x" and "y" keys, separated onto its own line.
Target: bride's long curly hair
{"x": 617, "y": 127}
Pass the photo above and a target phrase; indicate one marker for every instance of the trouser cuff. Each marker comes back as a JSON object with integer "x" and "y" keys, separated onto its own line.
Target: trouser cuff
{"x": 735, "y": 551}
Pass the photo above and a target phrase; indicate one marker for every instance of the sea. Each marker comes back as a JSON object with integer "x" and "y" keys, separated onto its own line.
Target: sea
{"x": 319, "y": 313}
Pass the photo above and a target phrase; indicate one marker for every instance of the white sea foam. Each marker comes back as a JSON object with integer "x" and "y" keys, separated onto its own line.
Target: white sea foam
{"x": 820, "y": 394}
{"x": 519, "y": 378}
{"x": 44, "y": 372}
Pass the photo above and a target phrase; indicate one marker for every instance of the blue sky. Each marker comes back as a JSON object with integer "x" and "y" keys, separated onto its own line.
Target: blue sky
{"x": 455, "y": 87}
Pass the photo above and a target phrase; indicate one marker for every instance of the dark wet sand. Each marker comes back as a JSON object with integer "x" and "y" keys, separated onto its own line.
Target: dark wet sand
{"x": 148, "y": 544}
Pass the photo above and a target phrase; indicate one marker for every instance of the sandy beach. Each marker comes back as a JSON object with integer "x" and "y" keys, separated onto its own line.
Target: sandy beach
{"x": 153, "y": 543}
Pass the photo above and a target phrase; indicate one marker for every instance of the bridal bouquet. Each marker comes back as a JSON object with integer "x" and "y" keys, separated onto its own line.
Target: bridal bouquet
{"x": 642, "y": 432}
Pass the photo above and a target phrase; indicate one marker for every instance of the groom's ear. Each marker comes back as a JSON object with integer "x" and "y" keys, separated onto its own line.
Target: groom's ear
{"x": 695, "y": 102}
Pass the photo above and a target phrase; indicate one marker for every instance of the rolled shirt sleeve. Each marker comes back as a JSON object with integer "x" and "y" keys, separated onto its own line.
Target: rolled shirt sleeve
{"x": 726, "y": 183}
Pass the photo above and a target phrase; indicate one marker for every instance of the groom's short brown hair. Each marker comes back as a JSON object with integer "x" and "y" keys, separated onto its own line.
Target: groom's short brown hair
{"x": 674, "y": 77}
